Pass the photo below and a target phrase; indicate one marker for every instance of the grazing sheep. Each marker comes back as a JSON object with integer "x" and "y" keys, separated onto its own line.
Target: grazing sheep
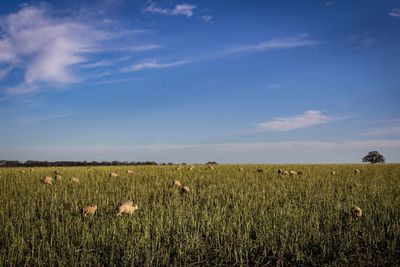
{"x": 284, "y": 173}
{"x": 293, "y": 173}
{"x": 260, "y": 170}
{"x": 357, "y": 213}
{"x": 58, "y": 178}
{"x": 130, "y": 172}
{"x": 176, "y": 184}
{"x": 75, "y": 180}
{"x": 280, "y": 171}
{"x": 357, "y": 171}
{"x": 241, "y": 169}
{"x": 333, "y": 172}
{"x": 47, "y": 180}
{"x": 185, "y": 189}
{"x": 89, "y": 209}
{"x": 127, "y": 207}
{"x": 113, "y": 174}
{"x": 210, "y": 167}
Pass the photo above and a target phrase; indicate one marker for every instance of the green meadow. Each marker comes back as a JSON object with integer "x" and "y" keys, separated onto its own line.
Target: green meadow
{"x": 229, "y": 217}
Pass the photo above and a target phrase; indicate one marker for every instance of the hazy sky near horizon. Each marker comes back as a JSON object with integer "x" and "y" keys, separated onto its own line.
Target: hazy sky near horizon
{"x": 196, "y": 81}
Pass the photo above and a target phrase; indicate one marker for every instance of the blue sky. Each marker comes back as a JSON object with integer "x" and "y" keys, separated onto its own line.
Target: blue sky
{"x": 196, "y": 81}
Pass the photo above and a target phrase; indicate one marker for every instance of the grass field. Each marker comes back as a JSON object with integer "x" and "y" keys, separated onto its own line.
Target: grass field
{"x": 229, "y": 217}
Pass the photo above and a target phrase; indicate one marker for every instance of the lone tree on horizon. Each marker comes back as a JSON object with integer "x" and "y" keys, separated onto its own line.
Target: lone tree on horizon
{"x": 374, "y": 157}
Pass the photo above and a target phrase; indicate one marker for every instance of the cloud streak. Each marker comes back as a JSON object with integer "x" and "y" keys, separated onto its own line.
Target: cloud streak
{"x": 395, "y": 12}
{"x": 154, "y": 64}
{"x": 182, "y": 9}
{"x": 275, "y": 44}
{"x": 307, "y": 119}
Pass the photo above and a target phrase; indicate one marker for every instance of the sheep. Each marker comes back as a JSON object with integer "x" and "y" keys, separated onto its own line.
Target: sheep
{"x": 292, "y": 173}
{"x": 185, "y": 189}
{"x": 191, "y": 168}
{"x": 113, "y": 174}
{"x": 284, "y": 173}
{"x": 300, "y": 173}
{"x": 176, "y": 184}
{"x": 127, "y": 207}
{"x": 89, "y": 209}
{"x": 357, "y": 213}
{"x": 241, "y": 169}
{"x": 280, "y": 171}
{"x": 260, "y": 170}
{"x": 130, "y": 172}
{"x": 333, "y": 172}
{"x": 210, "y": 167}
{"x": 58, "y": 178}
{"x": 357, "y": 171}
{"x": 47, "y": 180}
{"x": 75, "y": 180}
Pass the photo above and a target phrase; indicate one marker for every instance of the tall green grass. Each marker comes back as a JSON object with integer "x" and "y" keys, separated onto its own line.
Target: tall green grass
{"x": 229, "y": 218}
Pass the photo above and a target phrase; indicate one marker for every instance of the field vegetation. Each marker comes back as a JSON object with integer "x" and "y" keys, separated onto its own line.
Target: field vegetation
{"x": 228, "y": 218}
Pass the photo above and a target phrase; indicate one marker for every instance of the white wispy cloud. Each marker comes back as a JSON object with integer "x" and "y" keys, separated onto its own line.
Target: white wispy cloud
{"x": 301, "y": 40}
{"x": 306, "y": 119}
{"x": 45, "y": 47}
{"x": 52, "y": 51}
{"x": 206, "y": 18}
{"x": 182, "y": 9}
{"x": 154, "y": 64}
{"x": 395, "y": 12}
{"x": 141, "y": 48}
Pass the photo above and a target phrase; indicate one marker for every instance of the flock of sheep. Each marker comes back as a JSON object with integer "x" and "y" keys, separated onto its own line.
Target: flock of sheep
{"x": 128, "y": 207}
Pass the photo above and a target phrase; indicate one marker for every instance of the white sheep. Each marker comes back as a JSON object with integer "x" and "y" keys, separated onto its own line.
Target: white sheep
{"x": 47, "y": 180}
{"x": 58, "y": 178}
{"x": 284, "y": 173}
{"x": 185, "y": 189}
{"x": 113, "y": 174}
{"x": 127, "y": 207}
{"x": 357, "y": 213}
{"x": 333, "y": 172}
{"x": 176, "y": 184}
{"x": 357, "y": 171}
{"x": 130, "y": 172}
{"x": 241, "y": 169}
{"x": 89, "y": 209}
{"x": 293, "y": 173}
{"x": 75, "y": 180}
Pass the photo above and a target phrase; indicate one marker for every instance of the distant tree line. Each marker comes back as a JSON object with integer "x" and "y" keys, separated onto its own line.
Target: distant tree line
{"x": 36, "y": 163}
